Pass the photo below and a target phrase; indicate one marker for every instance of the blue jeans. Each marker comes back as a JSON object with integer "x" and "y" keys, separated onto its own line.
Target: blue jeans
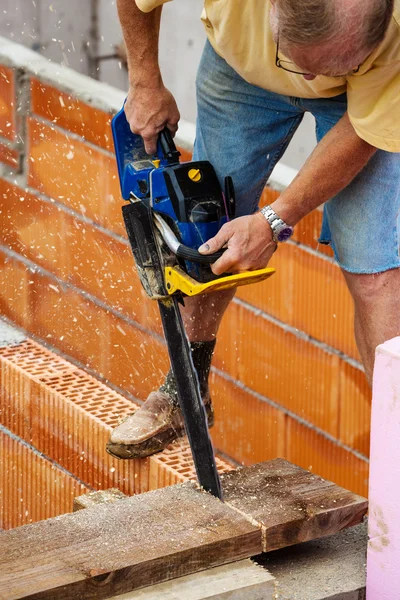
{"x": 243, "y": 130}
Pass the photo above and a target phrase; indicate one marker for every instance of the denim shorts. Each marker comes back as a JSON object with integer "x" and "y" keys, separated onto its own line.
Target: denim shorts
{"x": 243, "y": 130}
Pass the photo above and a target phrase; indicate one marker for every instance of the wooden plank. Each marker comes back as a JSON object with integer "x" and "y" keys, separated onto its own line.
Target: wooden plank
{"x": 241, "y": 580}
{"x": 114, "y": 548}
{"x": 291, "y": 504}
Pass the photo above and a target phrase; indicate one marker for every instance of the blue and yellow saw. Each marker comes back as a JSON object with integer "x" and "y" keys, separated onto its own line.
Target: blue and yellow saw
{"x": 173, "y": 208}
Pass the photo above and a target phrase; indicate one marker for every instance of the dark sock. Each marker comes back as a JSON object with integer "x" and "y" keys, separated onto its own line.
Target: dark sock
{"x": 202, "y": 354}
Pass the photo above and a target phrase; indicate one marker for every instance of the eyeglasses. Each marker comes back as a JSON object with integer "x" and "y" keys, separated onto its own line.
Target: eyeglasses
{"x": 282, "y": 64}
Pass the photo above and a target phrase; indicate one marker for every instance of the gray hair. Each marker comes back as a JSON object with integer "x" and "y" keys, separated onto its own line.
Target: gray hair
{"x": 313, "y": 22}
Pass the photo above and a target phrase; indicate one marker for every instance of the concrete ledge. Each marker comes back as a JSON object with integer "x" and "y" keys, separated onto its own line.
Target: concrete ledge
{"x": 101, "y": 95}
{"x": 329, "y": 569}
{"x": 9, "y": 336}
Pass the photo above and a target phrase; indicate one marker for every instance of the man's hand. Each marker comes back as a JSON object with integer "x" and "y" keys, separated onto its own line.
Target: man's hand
{"x": 249, "y": 245}
{"x": 150, "y": 109}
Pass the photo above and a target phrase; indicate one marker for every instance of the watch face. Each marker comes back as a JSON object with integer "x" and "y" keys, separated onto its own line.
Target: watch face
{"x": 285, "y": 234}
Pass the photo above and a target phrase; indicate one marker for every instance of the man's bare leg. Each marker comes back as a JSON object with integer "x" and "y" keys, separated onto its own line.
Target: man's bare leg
{"x": 202, "y": 315}
{"x": 377, "y": 311}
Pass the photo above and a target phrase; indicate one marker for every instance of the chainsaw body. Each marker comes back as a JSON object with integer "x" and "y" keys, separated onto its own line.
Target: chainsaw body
{"x": 187, "y": 196}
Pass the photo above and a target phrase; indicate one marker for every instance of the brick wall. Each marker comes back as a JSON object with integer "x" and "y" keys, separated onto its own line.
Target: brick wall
{"x": 287, "y": 379}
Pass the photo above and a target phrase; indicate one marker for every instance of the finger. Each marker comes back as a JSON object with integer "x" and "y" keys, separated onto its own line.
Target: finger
{"x": 225, "y": 264}
{"x": 173, "y": 127}
{"x": 217, "y": 242}
{"x": 150, "y": 144}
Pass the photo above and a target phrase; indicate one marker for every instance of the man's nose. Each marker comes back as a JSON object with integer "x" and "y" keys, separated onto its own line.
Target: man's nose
{"x": 309, "y": 76}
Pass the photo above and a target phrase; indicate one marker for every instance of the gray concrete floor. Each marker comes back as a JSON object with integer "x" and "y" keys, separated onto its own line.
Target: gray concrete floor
{"x": 331, "y": 568}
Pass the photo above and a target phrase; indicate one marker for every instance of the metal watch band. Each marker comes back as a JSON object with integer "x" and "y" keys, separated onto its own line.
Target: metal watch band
{"x": 281, "y": 231}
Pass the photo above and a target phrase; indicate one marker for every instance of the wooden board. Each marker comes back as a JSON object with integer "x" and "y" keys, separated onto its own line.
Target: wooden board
{"x": 241, "y": 580}
{"x": 291, "y": 504}
{"x": 114, "y": 548}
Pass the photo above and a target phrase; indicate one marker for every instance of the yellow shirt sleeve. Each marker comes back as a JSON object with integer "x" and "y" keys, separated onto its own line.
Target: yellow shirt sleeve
{"x": 148, "y": 5}
{"x": 374, "y": 105}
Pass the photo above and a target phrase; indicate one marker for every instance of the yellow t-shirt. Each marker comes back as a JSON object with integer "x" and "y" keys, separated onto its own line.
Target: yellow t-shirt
{"x": 240, "y": 32}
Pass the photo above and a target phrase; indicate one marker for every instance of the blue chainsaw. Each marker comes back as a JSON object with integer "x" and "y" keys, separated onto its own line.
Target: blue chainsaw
{"x": 173, "y": 208}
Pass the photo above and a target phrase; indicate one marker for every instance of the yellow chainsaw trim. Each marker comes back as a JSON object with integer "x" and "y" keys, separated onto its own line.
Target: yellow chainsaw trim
{"x": 177, "y": 280}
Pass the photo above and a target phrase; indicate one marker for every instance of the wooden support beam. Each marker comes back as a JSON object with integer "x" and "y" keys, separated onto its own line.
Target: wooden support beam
{"x": 114, "y": 548}
{"x": 95, "y": 498}
{"x": 291, "y": 504}
{"x": 241, "y": 580}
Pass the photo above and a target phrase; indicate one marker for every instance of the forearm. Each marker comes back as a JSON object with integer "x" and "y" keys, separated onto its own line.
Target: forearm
{"x": 334, "y": 163}
{"x": 141, "y": 32}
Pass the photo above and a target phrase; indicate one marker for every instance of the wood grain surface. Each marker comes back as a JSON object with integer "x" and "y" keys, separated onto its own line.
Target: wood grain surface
{"x": 292, "y": 504}
{"x": 114, "y": 548}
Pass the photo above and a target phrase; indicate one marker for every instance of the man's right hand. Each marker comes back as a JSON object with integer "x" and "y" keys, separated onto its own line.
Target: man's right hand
{"x": 150, "y": 109}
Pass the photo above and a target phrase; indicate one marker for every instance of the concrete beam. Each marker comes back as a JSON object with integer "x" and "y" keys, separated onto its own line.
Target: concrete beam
{"x": 332, "y": 568}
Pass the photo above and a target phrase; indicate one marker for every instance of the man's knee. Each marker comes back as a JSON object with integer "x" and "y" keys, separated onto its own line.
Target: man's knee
{"x": 369, "y": 288}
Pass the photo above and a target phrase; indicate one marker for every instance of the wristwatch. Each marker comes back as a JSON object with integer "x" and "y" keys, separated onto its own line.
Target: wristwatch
{"x": 281, "y": 231}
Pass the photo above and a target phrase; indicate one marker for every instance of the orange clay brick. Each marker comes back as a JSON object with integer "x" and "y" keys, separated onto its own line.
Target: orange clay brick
{"x": 7, "y": 103}
{"x": 9, "y": 156}
{"x": 32, "y": 228}
{"x": 355, "y": 409}
{"x": 247, "y": 429}
{"x": 68, "y": 415}
{"x": 15, "y": 283}
{"x": 75, "y": 174}
{"x": 308, "y": 293}
{"x": 105, "y": 268}
{"x": 75, "y": 252}
{"x": 74, "y": 324}
{"x": 31, "y": 487}
{"x": 129, "y": 357}
{"x": 138, "y": 362}
{"x": 70, "y": 113}
{"x": 277, "y": 364}
{"x": 310, "y": 450}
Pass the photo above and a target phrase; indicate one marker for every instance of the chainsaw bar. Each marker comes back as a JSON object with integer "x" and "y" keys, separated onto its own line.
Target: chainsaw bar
{"x": 191, "y": 404}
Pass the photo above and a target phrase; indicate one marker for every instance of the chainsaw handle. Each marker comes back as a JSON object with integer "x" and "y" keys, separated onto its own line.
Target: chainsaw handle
{"x": 166, "y": 149}
{"x": 193, "y": 255}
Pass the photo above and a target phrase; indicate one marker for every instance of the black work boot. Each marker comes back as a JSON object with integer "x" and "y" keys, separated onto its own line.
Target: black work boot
{"x": 159, "y": 421}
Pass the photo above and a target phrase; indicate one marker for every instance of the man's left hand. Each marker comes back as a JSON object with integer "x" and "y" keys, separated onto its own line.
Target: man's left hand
{"x": 249, "y": 245}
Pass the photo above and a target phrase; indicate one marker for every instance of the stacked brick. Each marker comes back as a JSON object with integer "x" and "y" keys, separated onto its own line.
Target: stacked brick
{"x": 55, "y": 422}
{"x": 287, "y": 379}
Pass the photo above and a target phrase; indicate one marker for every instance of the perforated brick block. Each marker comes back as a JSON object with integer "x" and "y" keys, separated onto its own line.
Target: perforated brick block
{"x": 68, "y": 415}
{"x": 32, "y": 488}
